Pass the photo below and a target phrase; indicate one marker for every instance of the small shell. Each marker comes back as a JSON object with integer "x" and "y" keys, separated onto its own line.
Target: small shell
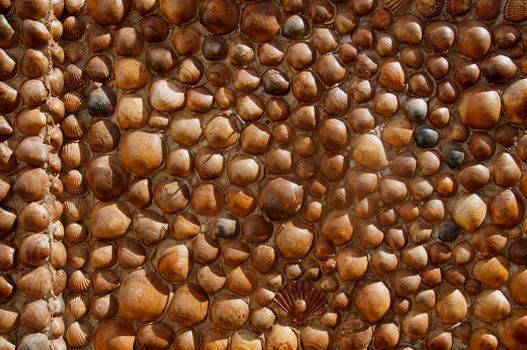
{"x": 511, "y": 330}
{"x": 115, "y": 333}
{"x": 77, "y": 305}
{"x": 78, "y": 335}
{"x": 73, "y": 127}
{"x": 78, "y": 281}
{"x": 372, "y": 300}
{"x": 78, "y": 255}
{"x": 76, "y": 208}
{"x": 74, "y": 77}
{"x": 74, "y": 101}
{"x": 474, "y": 39}
{"x": 219, "y": 16}
{"x": 73, "y": 181}
{"x": 430, "y": 8}
{"x": 488, "y": 9}
{"x": 74, "y": 154}
{"x": 492, "y": 272}
{"x": 506, "y": 209}
{"x": 73, "y": 28}
{"x": 458, "y": 7}
{"x": 35, "y": 284}
{"x": 398, "y": 7}
{"x": 74, "y": 51}
{"x": 173, "y": 261}
{"x": 99, "y": 39}
{"x": 515, "y": 11}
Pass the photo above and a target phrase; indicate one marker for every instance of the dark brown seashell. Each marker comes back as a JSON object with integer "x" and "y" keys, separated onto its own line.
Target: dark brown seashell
{"x": 430, "y": 8}
{"x": 219, "y": 17}
{"x": 154, "y": 29}
{"x": 488, "y": 9}
{"x": 160, "y": 58}
{"x": 458, "y": 7}
{"x": 515, "y": 11}
{"x": 474, "y": 39}
{"x": 179, "y": 11}
{"x": 107, "y": 12}
{"x": 9, "y": 65}
{"x": 34, "y": 34}
{"x": 299, "y": 302}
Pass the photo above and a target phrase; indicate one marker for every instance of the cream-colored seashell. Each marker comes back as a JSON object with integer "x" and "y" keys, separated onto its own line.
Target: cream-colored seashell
{"x": 369, "y": 152}
{"x": 451, "y": 307}
{"x": 78, "y": 281}
{"x": 77, "y": 305}
{"x": 76, "y": 208}
{"x": 469, "y": 212}
{"x": 373, "y": 301}
{"x": 491, "y": 306}
{"x": 166, "y": 96}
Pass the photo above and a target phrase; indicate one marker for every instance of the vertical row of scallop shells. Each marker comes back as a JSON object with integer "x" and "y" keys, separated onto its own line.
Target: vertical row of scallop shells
{"x": 32, "y": 254}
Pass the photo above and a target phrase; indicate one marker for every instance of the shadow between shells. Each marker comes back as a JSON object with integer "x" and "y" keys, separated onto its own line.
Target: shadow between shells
{"x": 283, "y": 175}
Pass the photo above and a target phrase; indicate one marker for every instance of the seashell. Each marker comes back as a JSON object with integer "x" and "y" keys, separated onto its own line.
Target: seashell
{"x": 72, "y": 6}
{"x": 130, "y": 74}
{"x": 171, "y": 196}
{"x": 458, "y": 7}
{"x": 506, "y": 209}
{"x": 74, "y": 101}
{"x": 102, "y": 254}
{"x": 155, "y": 336}
{"x": 483, "y": 338}
{"x": 74, "y": 154}
{"x": 31, "y": 9}
{"x": 474, "y": 39}
{"x": 235, "y": 318}
{"x": 130, "y": 254}
{"x": 9, "y": 319}
{"x": 430, "y": 8}
{"x": 492, "y": 272}
{"x": 199, "y": 99}
{"x": 78, "y": 255}
{"x": 98, "y": 38}
{"x": 73, "y": 28}
{"x": 511, "y": 330}
{"x": 207, "y": 199}
{"x": 386, "y": 335}
{"x": 9, "y": 98}
{"x": 469, "y": 212}
{"x": 7, "y": 288}
{"x": 33, "y": 65}
{"x": 498, "y": 69}
{"x": 77, "y": 305}
{"x": 106, "y": 177}
{"x": 205, "y": 250}
{"x": 211, "y": 279}
{"x": 398, "y": 7}
{"x": 504, "y": 170}
{"x": 33, "y": 151}
{"x": 372, "y": 300}
{"x": 103, "y": 307}
{"x": 34, "y": 34}
{"x": 28, "y": 285}
{"x": 128, "y": 41}
{"x": 34, "y": 217}
{"x": 73, "y": 127}
{"x": 515, "y": 11}
{"x": 281, "y": 198}
{"x": 261, "y": 21}
{"x": 408, "y": 29}
{"x": 139, "y": 193}
{"x": 189, "y": 306}
{"x": 75, "y": 209}
{"x": 353, "y": 332}
{"x": 369, "y": 152}
{"x": 105, "y": 281}
{"x": 491, "y": 306}
{"x": 300, "y": 56}
{"x": 241, "y": 280}
{"x": 74, "y": 77}
{"x": 73, "y": 182}
{"x": 514, "y": 102}
{"x": 78, "y": 281}
{"x": 103, "y": 136}
{"x": 74, "y": 51}
{"x": 34, "y": 250}
{"x": 173, "y": 261}
{"x": 33, "y": 93}
{"x": 78, "y": 335}
{"x": 113, "y": 334}
{"x": 505, "y": 35}
{"x": 487, "y": 10}
{"x": 108, "y": 12}
{"x": 9, "y": 256}
{"x": 153, "y": 293}
{"x": 186, "y": 41}
{"x": 109, "y": 220}
{"x": 214, "y": 48}
{"x": 295, "y": 27}
{"x": 37, "y": 341}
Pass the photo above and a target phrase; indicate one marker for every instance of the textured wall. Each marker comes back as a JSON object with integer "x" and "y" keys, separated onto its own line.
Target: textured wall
{"x": 279, "y": 175}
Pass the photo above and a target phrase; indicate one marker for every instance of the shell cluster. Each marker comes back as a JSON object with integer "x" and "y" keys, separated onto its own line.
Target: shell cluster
{"x": 269, "y": 174}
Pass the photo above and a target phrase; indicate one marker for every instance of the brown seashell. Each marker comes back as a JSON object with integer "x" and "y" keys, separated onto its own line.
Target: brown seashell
{"x": 398, "y": 7}
{"x": 211, "y": 279}
{"x": 491, "y": 306}
{"x": 488, "y": 9}
{"x": 34, "y": 34}
{"x": 9, "y": 98}
{"x": 113, "y": 334}
{"x": 160, "y": 58}
{"x": 28, "y": 285}
{"x": 511, "y": 331}
{"x": 166, "y": 96}
{"x": 430, "y": 8}
{"x": 515, "y": 11}
{"x": 320, "y": 11}
{"x": 33, "y": 65}
{"x": 353, "y": 333}
{"x": 281, "y": 198}
{"x": 73, "y": 127}
{"x": 34, "y": 250}
{"x": 9, "y": 221}
{"x": 474, "y": 39}
{"x": 186, "y": 41}
{"x": 7, "y": 287}
{"x": 219, "y": 17}
{"x": 106, "y": 178}
{"x": 207, "y": 199}
{"x": 516, "y": 252}
{"x": 108, "y": 12}
{"x": 483, "y": 338}
{"x": 492, "y": 272}
{"x": 98, "y": 68}
{"x": 469, "y": 212}
{"x": 73, "y": 182}
{"x": 74, "y": 77}
{"x": 294, "y": 241}
{"x": 130, "y": 74}
{"x": 74, "y": 154}
{"x": 102, "y": 254}
{"x": 506, "y": 209}
{"x": 150, "y": 289}
{"x": 369, "y": 152}
{"x": 150, "y": 227}
{"x": 36, "y": 341}
{"x": 75, "y": 208}
{"x": 78, "y": 281}
{"x": 408, "y": 29}
{"x": 171, "y": 196}
{"x": 8, "y": 257}
{"x": 154, "y": 29}
{"x": 517, "y": 286}
{"x": 99, "y": 39}
{"x": 514, "y": 101}
{"x": 261, "y": 21}
{"x": 33, "y": 151}
{"x": 109, "y": 220}
{"x": 130, "y": 254}
{"x": 9, "y": 318}
{"x": 34, "y": 217}
{"x": 74, "y": 101}
{"x": 189, "y": 306}
{"x": 180, "y": 162}
{"x": 173, "y": 261}
{"x": 458, "y": 7}
{"x": 352, "y": 264}
{"x": 103, "y": 136}
{"x": 78, "y": 335}
{"x": 31, "y": 9}
{"x": 33, "y": 93}
{"x": 155, "y": 336}
{"x": 372, "y": 300}
{"x": 178, "y": 12}
{"x": 31, "y": 121}
{"x": 229, "y": 313}
{"x": 105, "y": 281}
{"x": 142, "y": 152}
{"x": 139, "y": 193}
{"x": 504, "y": 170}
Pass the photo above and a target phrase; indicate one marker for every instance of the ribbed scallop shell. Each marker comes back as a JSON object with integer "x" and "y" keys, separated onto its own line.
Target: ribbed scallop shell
{"x": 77, "y": 305}
{"x": 430, "y": 8}
{"x": 74, "y": 101}
{"x": 75, "y": 233}
{"x": 515, "y": 10}
{"x": 74, "y": 51}
{"x": 78, "y": 335}
{"x": 397, "y": 7}
{"x": 458, "y": 7}
{"x": 299, "y": 302}
{"x": 488, "y": 9}
{"x": 73, "y": 182}
{"x": 72, "y": 127}
{"x": 78, "y": 282}
{"x": 78, "y": 255}
{"x": 74, "y": 77}
{"x": 75, "y": 208}
{"x": 74, "y": 154}
{"x": 73, "y": 28}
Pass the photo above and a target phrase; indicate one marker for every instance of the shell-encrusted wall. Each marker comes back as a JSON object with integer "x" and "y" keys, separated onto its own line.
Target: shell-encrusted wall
{"x": 276, "y": 174}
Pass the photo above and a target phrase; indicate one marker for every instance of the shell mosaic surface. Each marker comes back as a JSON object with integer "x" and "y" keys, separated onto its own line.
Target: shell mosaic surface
{"x": 280, "y": 175}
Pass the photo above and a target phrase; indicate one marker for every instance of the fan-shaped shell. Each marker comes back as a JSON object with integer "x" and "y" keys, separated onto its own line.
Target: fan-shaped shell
{"x": 488, "y": 9}
{"x": 9, "y": 319}
{"x": 77, "y": 305}
{"x": 397, "y": 7}
{"x": 299, "y": 302}
{"x": 78, "y": 335}
{"x": 78, "y": 281}
{"x": 515, "y": 10}
{"x": 430, "y": 8}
